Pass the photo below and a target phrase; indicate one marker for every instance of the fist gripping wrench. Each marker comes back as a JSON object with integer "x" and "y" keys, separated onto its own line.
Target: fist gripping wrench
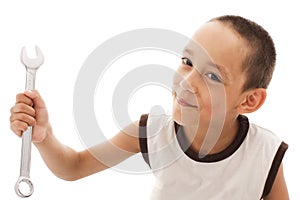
{"x": 24, "y": 186}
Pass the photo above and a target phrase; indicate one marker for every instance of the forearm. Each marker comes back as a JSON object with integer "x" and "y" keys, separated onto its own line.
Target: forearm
{"x": 68, "y": 164}
{"x": 60, "y": 159}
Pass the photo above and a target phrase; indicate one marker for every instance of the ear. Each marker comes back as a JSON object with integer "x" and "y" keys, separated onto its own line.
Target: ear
{"x": 252, "y": 100}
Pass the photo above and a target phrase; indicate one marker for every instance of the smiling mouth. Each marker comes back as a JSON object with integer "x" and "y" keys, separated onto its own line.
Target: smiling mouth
{"x": 183, "y": 102}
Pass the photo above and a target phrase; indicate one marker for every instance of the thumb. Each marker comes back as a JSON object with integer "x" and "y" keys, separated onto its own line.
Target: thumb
{"x": 34, "y": 95}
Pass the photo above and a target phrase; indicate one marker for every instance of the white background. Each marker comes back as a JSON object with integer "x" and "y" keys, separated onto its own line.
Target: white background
{"x": 68, "y": 31}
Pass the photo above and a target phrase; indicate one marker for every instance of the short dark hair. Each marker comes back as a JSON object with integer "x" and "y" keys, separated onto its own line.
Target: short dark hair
{"x": 260, "y": 62}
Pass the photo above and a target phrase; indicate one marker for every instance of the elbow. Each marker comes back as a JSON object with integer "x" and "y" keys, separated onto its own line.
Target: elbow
{"x": 70, "y": 171}
{"x": 67, "y": 175}
{"x": 69, "y": 178}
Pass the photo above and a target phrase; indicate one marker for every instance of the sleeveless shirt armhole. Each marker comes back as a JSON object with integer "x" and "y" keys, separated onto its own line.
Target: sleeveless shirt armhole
{"x": 143, "y": 138}
{"x": 274, "y": 168}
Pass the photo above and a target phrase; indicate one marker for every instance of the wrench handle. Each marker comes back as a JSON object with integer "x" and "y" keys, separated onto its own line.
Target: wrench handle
{"x": 26, "y": 147}
{"x": 27, "y": 135}
{"x": 30, "y": 79}
{"x": 26, "y": 152}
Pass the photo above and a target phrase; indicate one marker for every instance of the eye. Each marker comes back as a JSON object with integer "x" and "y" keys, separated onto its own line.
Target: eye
{"x": 214, "y": 77}
{"x": 187, "y": 61}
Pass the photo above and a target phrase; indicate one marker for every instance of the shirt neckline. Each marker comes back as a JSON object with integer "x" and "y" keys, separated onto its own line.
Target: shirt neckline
{"x": 228, "y": 151}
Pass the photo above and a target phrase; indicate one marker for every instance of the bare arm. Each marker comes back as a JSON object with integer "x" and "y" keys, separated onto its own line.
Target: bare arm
{"x": 279, "y": 189}
{"x": 68, "y": 164}
{"x": 62, "y": 160}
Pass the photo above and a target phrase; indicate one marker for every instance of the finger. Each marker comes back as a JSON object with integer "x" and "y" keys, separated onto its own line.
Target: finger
{"x": 22, "y": 108}
{"x": 29, "y": 120}
{"x": 18, "y": 127}
{"x": 38, "y": 101}
{"x": 22, "y": 98}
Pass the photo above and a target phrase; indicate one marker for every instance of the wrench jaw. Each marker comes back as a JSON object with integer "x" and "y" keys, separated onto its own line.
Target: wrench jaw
{"x": 32, "y": 63}
{"x": 24, "y": 187}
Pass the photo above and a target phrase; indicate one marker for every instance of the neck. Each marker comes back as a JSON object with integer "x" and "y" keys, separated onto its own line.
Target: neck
{"x": 214, "y": 137}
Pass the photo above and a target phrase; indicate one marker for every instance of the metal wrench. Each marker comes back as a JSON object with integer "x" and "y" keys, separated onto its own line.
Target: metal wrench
{"x": 31, "y": 66}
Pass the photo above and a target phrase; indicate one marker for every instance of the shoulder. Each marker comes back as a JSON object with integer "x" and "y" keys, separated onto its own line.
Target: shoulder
{"x": 273, "y": 149}
{"x": 265, "y": 142}
{"x": 263, "y": 136}
{"x": 155, "y": 122}
{"x": 150, "y": 125}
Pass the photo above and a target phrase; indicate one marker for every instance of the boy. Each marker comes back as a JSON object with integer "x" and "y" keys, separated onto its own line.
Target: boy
{"x": 212, "y": 86}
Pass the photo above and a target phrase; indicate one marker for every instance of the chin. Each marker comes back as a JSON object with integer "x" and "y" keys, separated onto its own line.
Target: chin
{"x": 186, "y": 116}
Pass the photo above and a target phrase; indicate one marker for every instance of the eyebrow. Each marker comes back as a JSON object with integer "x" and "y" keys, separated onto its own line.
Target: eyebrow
{"x": 189, "y": 51}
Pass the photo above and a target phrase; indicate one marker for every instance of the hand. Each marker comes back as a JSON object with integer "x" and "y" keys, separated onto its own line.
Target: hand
{"x": 30, "y": 110}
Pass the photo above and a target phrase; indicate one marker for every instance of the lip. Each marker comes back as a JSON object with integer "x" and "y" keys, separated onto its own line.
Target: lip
{"x": 183, "y": 102}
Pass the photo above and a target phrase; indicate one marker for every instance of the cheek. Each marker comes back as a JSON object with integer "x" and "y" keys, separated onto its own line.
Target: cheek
{"x": 233, "y": 99}
{"x": 204, "y": 97}
{"x": 219, "y": 103}
{"x": 213, "y": 100}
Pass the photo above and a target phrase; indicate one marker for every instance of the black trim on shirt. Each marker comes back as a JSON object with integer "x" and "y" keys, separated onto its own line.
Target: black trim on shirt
{"x": 236, "y": 143}
{"x": 143, "y": 137}
{"x": 183, "y": 142}
{"x": 274, "y": 168}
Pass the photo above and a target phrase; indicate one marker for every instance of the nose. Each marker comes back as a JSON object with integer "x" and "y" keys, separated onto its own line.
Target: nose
{"x": 191, "y": 81}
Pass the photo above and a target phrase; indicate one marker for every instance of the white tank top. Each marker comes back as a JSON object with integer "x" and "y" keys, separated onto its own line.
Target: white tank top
{"x": 246, "y": 169}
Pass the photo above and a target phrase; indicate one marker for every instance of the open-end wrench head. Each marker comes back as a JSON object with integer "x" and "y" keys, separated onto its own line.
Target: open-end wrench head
{"x": 32, "y": 63}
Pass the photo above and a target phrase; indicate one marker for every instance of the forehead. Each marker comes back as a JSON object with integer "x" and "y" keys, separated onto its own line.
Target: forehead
{"x": 224, "y": 47}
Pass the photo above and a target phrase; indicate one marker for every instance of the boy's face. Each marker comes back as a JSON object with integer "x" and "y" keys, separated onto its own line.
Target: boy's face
{"x": 209, "y": 81}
